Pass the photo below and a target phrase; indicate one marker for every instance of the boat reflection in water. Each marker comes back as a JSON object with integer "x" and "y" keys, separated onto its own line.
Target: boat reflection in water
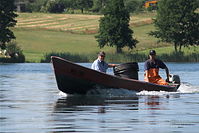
{"x": 72, "y": 113}
{"x": 85, "y": 103}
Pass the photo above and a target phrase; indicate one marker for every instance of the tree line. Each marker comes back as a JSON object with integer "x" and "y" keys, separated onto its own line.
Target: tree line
{"x": 177, "y": 22}
{"x": 69, "y": 6}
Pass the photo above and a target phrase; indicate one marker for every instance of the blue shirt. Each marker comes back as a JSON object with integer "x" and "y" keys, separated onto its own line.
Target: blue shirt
{"x": 154, "y": 64}
{"x": 98, "y": 65}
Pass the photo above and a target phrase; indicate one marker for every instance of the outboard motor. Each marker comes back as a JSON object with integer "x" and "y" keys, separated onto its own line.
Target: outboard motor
{"x": 127, "y": 70}
{"x": 174, "y": 79}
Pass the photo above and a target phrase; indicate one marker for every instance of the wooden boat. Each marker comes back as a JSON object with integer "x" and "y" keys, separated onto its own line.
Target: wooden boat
{"x": 76, "y": 79}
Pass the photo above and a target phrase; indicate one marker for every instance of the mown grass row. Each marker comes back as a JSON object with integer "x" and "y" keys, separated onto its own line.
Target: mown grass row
{"x": 75, "y": 23}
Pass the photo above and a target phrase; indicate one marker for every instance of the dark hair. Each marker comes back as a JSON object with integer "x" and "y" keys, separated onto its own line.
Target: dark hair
{"x": 102, "y": 53}
{"x": 152, "y": 52}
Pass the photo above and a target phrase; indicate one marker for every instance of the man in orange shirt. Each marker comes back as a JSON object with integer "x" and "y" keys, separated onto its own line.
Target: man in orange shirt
{"x": 151, "y": 68}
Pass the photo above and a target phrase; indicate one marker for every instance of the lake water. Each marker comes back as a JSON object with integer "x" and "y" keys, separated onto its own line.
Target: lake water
{"x": 31, "y": 103}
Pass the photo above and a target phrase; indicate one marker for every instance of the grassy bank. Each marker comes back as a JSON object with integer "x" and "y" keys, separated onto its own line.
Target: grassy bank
{"x": 36, "y": 43}
{"x": 37, "y": 39}
{"x": 169, "y": 56}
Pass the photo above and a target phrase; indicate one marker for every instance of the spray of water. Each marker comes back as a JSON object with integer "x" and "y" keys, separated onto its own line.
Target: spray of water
{"x": 184, "y": 88}
{"x": 62, "y": 94}
{"x": 188, "y": 88}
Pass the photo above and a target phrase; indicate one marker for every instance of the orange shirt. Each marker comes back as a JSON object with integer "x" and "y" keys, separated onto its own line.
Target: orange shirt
{"x": 152, "y": 66}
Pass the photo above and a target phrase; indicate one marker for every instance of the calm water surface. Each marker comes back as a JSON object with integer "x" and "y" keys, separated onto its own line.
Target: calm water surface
{"x": 31, "y": 103}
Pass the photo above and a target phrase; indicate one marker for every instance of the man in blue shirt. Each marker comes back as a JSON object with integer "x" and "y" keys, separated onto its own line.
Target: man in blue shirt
{"x": 100, "y": 65}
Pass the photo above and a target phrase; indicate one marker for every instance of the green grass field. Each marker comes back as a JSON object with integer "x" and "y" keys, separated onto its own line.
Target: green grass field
{"x": 75, "y": 23}
{"x": 40, "y": 33}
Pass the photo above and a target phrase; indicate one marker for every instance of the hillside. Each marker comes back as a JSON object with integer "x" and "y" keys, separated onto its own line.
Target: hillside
{"x": 74, "y": 23}
{"x": 40, "y": 33}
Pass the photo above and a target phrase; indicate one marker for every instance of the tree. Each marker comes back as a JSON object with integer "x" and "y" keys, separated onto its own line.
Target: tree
{"x": 114, "y": 27}
{"x": 177, "y": 22}
{"x": 36, "y": 5}
{"x": 134, "y": 5}
{"x": 54, "y": 6}
{"x": 98, "y": 5}
{"x": 83, "y": 4}
{"x": 7, "y": 20}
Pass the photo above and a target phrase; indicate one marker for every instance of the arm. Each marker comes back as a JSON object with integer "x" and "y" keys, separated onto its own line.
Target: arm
{"x": 146, "y": 70}
{"x": 163, "y": 66}
{"x": 146, "y": 75}
{"x": 111, "y": 65}
{"x": 167, "y": 74}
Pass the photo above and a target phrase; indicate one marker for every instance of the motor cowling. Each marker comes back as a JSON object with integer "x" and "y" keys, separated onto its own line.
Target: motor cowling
{"x": 174, "y": 79}
{"x": 127, "y": 70}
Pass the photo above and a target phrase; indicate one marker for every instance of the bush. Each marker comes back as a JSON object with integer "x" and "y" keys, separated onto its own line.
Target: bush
{"x": 67, "y": 56}
{"x": 14, "y": 54}
{"x": 180, "y": 57}
{"x": 124, "y": 57}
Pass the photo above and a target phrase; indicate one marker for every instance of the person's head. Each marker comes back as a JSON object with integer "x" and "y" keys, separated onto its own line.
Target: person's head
{"x": 101, "y": 55}
{"x": 152, "y": 54}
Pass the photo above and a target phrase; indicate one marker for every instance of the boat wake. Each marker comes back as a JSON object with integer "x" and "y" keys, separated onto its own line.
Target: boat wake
{"x": 62, "y": 94}
{"x": 112, "y": 92}
{"x": 188, "y": 88}
{"x": 106, "y": 92}
{"x": 183, "y": 89}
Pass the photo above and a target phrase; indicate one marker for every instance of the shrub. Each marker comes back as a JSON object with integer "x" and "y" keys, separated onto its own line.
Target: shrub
{"x": 67, "y": 56}
{"x": 14, "y": 54}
